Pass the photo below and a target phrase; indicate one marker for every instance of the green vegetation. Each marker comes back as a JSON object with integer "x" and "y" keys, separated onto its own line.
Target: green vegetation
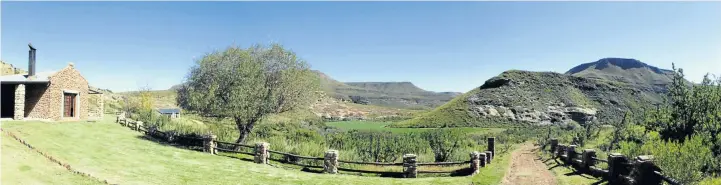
{"x": 382, "y": 126}
{"x": 246, "y": 85}
{"x": 114, "y": 153}
{"x": 452, "y": 114}
{"x": 682, "y": 133}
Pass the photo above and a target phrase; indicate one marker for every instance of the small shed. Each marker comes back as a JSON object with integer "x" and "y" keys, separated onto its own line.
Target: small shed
{"x": 171, "y": 112}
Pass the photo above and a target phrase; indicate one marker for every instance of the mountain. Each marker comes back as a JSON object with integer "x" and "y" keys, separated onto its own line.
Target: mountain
{"x": 601, "y": 90}
{"x": 388, "y": 94}
{"x": 631, "y": 71}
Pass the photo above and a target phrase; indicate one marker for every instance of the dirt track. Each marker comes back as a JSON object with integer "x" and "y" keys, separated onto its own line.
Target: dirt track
{"x": 527, "y": 169}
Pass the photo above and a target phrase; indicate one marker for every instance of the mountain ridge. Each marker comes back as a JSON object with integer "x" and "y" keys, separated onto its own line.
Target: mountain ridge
{"x": 581, "y": 95}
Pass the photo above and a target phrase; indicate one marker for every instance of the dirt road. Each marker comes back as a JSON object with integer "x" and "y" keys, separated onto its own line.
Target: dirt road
{"x": 527, "y": 169}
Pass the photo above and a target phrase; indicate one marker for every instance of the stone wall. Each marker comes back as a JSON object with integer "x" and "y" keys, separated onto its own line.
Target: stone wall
{"x": 49, "y": 105}
{"x": 33, "y": 94}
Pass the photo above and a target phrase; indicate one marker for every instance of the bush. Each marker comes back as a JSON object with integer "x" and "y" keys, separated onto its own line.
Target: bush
{"x": 444, "y": 142}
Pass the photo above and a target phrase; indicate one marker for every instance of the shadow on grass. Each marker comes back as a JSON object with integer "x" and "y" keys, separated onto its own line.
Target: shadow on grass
{"x": 239, "y": 158}
{"x": 148, "y": 138}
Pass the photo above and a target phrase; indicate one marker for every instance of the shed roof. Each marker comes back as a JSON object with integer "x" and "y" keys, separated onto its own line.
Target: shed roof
{"x": 42, "y": 77}
{"x": 169, "y": 111}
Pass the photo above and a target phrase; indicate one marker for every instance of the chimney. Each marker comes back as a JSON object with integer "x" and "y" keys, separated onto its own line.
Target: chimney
{"x": 31, "y": 61}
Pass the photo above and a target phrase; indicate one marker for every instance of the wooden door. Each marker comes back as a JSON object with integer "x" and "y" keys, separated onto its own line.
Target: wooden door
{"x": 69, "y": 109}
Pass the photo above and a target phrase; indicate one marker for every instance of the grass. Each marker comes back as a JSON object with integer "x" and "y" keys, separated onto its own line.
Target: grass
{"x": 382, "y": 126}
{"x": 111, "y": 152}
{"x": 20, "y": 165}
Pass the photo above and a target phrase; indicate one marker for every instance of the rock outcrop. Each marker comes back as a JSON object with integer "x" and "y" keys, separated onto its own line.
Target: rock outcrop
{"x": 553, "y": 114}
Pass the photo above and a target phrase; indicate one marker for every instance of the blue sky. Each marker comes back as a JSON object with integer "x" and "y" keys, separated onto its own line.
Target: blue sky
{"x": 439, "y": 46}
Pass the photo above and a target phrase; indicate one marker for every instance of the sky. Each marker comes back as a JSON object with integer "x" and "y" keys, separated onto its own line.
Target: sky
{"x": 439, "y": 46}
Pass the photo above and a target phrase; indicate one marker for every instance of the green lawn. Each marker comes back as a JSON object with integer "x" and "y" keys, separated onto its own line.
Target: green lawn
{"x": 20, "y": 165}
{"x": 117, "y": 154}
{"x": 381, "y": 126}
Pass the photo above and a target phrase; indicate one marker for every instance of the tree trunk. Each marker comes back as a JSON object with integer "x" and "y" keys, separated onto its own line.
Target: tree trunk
{"x": 244, "y": 128}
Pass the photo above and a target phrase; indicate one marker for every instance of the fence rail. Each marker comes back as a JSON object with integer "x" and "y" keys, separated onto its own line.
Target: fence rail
{"x": 370, "y": 163}
{"x": 666, "y": 178}
{"x": 294, "y": 155}
{"x": 443, "y": 163}
{"x": 261, "y": 153}
{"x": 621, "y": 170}
{"x": 233, "y": 151}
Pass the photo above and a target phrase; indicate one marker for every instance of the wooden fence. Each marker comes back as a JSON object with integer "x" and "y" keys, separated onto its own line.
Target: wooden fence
{"x": 330, "y": 163}
{"x": 621, "y": 170}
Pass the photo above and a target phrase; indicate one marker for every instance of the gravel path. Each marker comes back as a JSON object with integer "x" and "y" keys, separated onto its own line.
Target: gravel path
{"x": 527, "y": 169}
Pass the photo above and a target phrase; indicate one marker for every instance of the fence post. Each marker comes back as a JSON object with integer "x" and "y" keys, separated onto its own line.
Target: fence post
{"x": 171, "y": 136}
{"x": 561, "y": 152}
{"x": 492, "y": 145}
{"x": 616, "y": 167}
{"x": 489, "y": 157}
{"x": 209, "y": 144}
{"x": 475, "y": 161}
{"x": 138, "y": 124}
{"x": 570, "y": 154}
{"x": 643, "y": 171}
{"x": 410, "y": 169}
{"x": 261, "y": 153}
{"x": 482, "y": 158}
{"x": 587, "y": 157}
{"x": 554, "y": 145}
{"x": 330, "y": 161}
{"x": 151, "y": 130}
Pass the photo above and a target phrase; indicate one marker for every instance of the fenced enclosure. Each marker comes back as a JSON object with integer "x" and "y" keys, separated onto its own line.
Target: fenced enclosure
{"x": 621, "y": 169}
{"x": 329, "y": 162}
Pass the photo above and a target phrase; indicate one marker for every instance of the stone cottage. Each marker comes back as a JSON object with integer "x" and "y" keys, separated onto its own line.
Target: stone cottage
{"x": 57, "y": 95}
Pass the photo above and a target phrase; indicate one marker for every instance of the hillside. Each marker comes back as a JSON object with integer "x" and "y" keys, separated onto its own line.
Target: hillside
{"x": 9, "y": 69}
{"x": 388, "y": 94}
{"x": 587, "y": 94}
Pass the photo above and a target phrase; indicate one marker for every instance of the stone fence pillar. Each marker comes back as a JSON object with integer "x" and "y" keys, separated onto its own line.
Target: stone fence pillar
{"x": 19, "y": 101}
{"x": 138, "y": 124}
{"x": 561, "y": 151}
{"x": 482, "y": 158}
{"x": 570, "y": 154}
{"x": 209, "y": 144}
{"x": 330, "y": 161}
{"x": 616, "y": 167}
{"x": 489, "y": 157}
{"x": 475, "y": 162}
{"x": 171, "y": 136}
{"x": 554, "y": 145}
{"x": 410, "y": 169}
{"x": 643, "y": 171}
{"x": 587, "y": 157}
{"x": 492, "y": 145}
{"x": 261, "y": 153}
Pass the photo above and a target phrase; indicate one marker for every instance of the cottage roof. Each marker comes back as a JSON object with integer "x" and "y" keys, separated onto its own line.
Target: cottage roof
{"x": 169, "y": 111}
{"x": 42, "y": 77}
